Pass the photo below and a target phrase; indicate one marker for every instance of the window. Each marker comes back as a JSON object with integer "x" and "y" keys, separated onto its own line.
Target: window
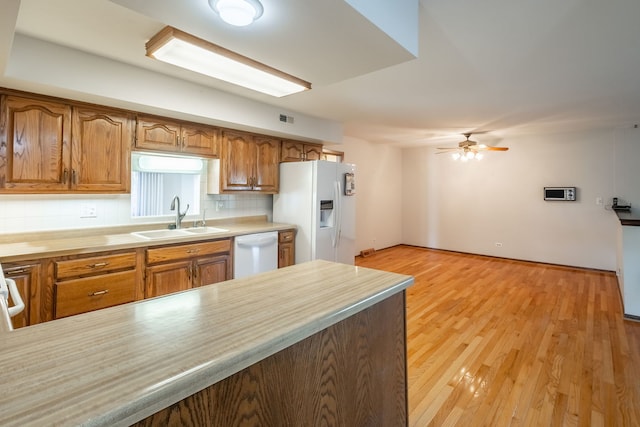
{"x": 156, "y": 179}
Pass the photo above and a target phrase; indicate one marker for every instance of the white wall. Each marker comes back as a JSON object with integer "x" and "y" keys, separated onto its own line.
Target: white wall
{"x": 378, "y": 192}
{"x": 469, "y": 207}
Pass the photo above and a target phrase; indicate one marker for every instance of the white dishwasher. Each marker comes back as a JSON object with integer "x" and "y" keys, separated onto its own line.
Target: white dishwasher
{"x": 255, "y": 253}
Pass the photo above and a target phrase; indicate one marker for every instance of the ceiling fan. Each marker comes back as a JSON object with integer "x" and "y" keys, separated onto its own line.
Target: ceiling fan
{"x": 468, "y": 150}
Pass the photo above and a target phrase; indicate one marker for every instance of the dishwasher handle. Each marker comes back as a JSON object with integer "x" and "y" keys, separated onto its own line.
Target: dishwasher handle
{"x": 253, "y": 241}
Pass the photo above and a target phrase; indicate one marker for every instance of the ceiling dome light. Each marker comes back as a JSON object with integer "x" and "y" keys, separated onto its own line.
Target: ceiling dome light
{"x": 237, "y": 12}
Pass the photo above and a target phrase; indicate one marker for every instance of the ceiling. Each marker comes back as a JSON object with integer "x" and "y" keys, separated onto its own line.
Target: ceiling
{"x": 497, "y": 66}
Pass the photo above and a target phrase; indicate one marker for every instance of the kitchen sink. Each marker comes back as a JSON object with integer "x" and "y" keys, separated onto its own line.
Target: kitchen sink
{"x": 205, "y": 230}
{"x": 160, "y": 234}
{"x": 180, "y": 232}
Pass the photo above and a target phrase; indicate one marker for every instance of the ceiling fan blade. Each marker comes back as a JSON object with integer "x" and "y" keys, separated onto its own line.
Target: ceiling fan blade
{"x": 496, "y": 148}
{"x": 448, "y": 148}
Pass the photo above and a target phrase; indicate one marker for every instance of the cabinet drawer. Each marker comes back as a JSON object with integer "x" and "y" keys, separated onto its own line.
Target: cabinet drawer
{"x": 172, "y": 253}
{"x": 94, "y": 265}
{"x": 285, "y": 236}
{"x": 92, "y": 293}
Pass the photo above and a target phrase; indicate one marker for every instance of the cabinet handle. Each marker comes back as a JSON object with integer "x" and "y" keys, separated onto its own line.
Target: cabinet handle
{"x": 74, "y": 176}
{"x": 98, "y": 265}
{"x": 193, "y": 251}
{"x": 98, "y": 293}
{"x": 65, "y": 175}
{"x": 16, "y": 271}
{"x": 190, "y": 272}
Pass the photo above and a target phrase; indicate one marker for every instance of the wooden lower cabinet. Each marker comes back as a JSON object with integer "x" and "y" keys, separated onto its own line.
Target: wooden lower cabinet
{"x": 27, "y": 278}
{"x": 87, "y": 283}
{"x": 180, "y": 267}
{"x": 212, "y": 270}
{"x": 167, "y": 278}
{"x": 77, "y": 296}
{"x": 286, "y": 248}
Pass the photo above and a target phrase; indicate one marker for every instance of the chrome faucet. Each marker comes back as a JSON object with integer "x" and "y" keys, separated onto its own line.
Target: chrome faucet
{"x": 175, "y": 206}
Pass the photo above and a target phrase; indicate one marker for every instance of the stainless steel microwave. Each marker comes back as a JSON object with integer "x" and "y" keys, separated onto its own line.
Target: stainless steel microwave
{"x": 560, "y": 193}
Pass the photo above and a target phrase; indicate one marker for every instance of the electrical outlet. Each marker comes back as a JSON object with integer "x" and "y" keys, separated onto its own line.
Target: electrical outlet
{"x": 88, "y": 210}
{"x": 219, "y": 206}
{"x": 599, "y": 201}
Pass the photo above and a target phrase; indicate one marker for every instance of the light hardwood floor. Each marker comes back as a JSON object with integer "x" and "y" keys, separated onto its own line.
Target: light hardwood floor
{"x": 495, "y": 342}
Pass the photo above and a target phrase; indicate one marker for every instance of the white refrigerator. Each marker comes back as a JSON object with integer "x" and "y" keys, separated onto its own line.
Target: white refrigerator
{"x": 319, "y": 198}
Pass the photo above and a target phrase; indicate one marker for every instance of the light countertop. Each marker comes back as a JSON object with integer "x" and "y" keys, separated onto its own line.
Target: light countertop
{"x": 28, "y": 246}
{"x": 118, "y": 365}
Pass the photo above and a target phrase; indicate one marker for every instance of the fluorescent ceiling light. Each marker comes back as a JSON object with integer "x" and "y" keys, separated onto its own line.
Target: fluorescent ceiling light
{"x": 184, "y": 50}
{"x": 167, "y": 164}
{"x": 237, "y": 12}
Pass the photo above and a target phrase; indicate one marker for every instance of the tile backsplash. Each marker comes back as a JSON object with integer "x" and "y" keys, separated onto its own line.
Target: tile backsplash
{"x": 23, "y": 213}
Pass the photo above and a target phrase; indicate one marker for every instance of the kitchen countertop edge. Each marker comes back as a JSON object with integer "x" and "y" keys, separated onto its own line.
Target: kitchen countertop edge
{"x": 53, "y": 244}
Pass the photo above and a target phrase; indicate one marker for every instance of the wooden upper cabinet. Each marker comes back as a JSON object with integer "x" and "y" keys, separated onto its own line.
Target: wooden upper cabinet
{"x": 101, "y": 150}
{"x": 238, "y": 159}
{"x": 50, "y": 147}
{"x": 201, "y": 140}
{"x": 35, "y": 153}
{"x": 267, "y": 169}
{"x": 250, "y": 162}
{"x": 296, "y": 151}
{"x": 312, "y": 152}
{"x": 154, "y": 133}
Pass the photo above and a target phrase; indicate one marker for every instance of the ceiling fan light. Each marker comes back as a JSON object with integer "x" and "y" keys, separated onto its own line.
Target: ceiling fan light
{"x": 479, "y": 156}
{"x": 239, "y": 13}
{"x": 470, "y": 155}
{"x": 455, "y": 156}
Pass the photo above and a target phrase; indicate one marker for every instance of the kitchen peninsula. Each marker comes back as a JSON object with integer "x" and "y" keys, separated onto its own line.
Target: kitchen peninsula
{"x": 316, "y": 342}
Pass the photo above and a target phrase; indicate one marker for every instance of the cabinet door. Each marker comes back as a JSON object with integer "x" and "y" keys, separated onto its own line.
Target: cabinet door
{"x": 167, "y": 278}
{"x": 267, "y": 169}
{"x": 292, "y": 151}
{"x": 286, "y": 248}
{"x": 238, "y": 151}
{"x": 212, "y": 270}
{"x": 312, "y": 152}
{"x": 27, "y": 278}
{"x": 100, "y": 151}
{"x": 286, "y": 255}
{"x": 200, "y": 140}
{"x": 34, "y": 147}
{"x": 157, "y": 134}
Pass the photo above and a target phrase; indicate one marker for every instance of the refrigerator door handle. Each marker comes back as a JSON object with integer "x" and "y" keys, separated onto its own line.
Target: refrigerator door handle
{"x": 336, "y": 213}
{"x": 339, "y": 213}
